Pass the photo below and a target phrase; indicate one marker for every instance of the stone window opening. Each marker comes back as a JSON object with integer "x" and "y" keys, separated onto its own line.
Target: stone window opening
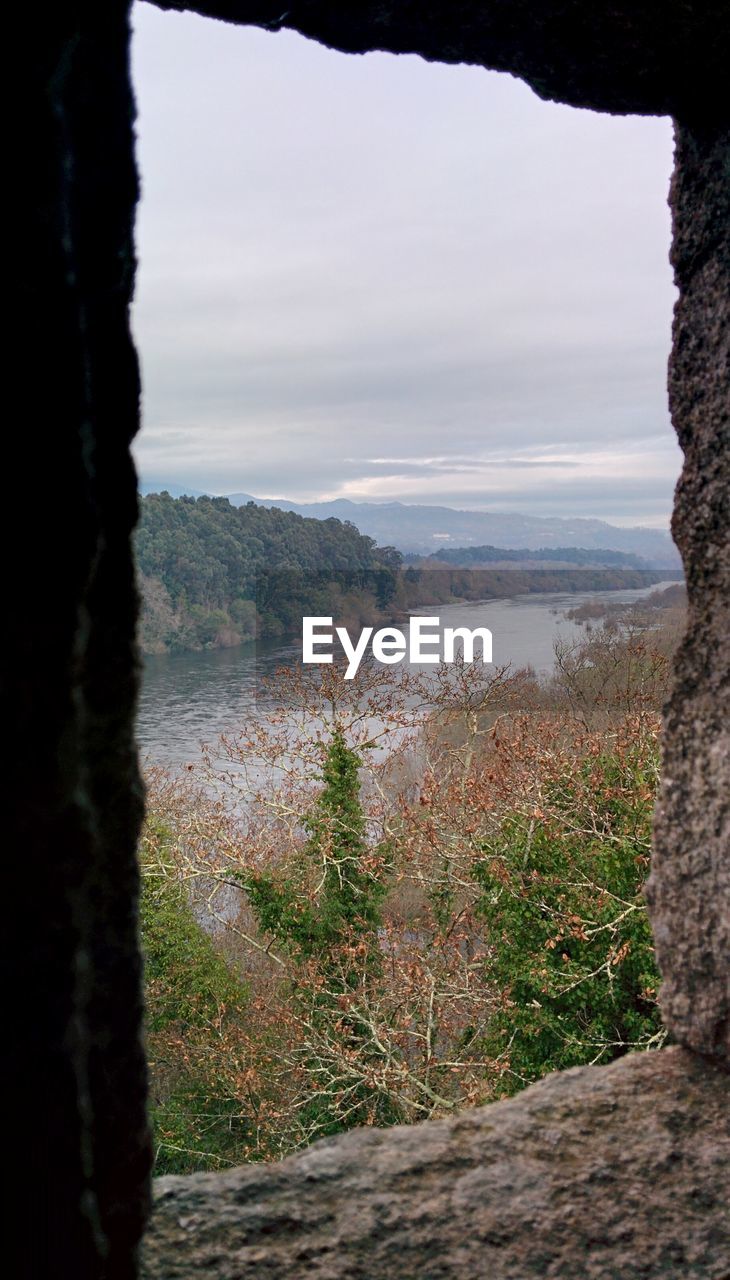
{"x": 486, "y": 1193}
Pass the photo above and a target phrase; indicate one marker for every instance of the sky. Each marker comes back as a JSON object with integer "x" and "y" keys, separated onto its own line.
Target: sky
{"x": 382, "y": 279}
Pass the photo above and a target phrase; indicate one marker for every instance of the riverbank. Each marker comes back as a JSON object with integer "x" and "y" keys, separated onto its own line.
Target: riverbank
{"x": 189, "y": 698}
{"x": 368, "y": 598}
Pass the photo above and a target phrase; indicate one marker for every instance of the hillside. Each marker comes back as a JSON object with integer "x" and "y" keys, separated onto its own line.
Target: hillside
{"x": 207, "y": 568}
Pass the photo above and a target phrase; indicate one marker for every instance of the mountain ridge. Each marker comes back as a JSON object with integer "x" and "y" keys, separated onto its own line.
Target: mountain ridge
{"x": 422, "y": 529}
{"x": 425, "y": 529}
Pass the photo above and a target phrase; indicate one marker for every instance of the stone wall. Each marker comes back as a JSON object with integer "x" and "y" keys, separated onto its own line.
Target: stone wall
{"x": 77, "y": 1076}
{"x": 598, "y": 1173}
{"x": 689, "y": 889}
{"x": 76, "y": 1068}
{"x": 652, "y": 57}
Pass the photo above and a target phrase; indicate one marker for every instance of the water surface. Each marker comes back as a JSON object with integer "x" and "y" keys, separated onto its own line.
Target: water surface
{"x": 190, "y": 698}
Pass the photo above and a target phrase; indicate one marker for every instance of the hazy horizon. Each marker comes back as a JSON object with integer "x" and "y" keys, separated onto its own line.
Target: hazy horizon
{"x": 157, "y": 485}
{"x": 384, "y": 280}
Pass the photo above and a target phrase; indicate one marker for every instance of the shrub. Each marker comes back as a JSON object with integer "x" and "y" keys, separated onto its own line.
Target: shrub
{"x": 570, "y": 949}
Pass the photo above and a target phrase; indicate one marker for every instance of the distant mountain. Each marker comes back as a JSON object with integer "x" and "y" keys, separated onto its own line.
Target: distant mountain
{"x": 174, "y": 490}
{"x": 427, "y": 530}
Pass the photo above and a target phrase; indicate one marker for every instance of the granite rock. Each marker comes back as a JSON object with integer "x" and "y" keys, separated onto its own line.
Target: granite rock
{"x": 598, "y": 1173}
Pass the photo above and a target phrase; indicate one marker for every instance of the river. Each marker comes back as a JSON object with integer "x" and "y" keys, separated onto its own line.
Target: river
{"x": 190, "y": 698}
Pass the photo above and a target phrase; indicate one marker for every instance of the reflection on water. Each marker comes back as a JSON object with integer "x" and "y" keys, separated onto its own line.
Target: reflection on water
{"x": 191, "y": 698}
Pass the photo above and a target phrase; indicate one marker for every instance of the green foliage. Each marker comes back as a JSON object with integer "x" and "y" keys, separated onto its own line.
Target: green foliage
{"x": 331, "y": 935}
{"x": 190, "y": 980}
{"x": 351, "y": 893}
{"x": 197, "y": 1127}
{"x": 204, "y": 564}
{"x": 193, "y": 1004}
{"x": 590, "y": 557}
{"x": 350, "y": 890}
{"x": 570, "y": 944}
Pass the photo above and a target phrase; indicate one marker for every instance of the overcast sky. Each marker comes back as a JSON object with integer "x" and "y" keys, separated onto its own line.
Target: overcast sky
{"x": 377, "y": 278}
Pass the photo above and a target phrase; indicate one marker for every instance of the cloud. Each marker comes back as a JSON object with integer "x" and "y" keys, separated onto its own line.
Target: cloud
{"x": 377, "y": 276}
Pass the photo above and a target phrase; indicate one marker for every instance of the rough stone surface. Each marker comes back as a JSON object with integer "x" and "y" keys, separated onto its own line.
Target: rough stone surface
{"x": 70, "y": 821}
{"x": 689, "y": 889}
{"x": 653, "y": 57}
{"x": 615, "y": 1172}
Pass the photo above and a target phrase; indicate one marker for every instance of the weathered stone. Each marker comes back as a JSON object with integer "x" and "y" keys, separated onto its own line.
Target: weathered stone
{"x": 652, "y": 57}
{"x": 452, "y": 1199}
{"x": 75, "y": 1061}
{"x": 689, "y": 889}
{"x": 599, "y": 1173}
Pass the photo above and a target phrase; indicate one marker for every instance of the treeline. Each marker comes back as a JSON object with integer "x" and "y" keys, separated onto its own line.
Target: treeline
{"x": 435, "y": 584}
{"x": 212, "y": 574}
{"x": 589, "y": 557}
{"x": 672, "y": 598}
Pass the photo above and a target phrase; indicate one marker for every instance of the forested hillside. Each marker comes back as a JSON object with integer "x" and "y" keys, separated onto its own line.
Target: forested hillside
{"x": 206, "y": 566}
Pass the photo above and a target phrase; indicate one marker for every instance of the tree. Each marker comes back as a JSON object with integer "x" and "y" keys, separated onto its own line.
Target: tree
{"x": 329, "y": 926}
{"x": 194, "y": 1010}
{"x": 562, "y": 879}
